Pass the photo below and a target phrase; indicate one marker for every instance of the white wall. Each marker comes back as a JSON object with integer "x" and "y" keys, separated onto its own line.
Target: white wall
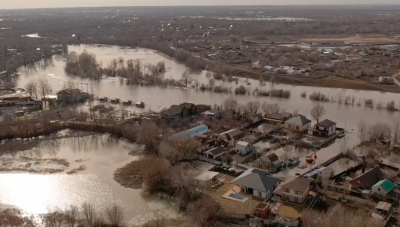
{"x": 378, "y": 190}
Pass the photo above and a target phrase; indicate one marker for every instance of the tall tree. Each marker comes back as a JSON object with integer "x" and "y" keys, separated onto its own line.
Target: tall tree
{"x": 115, "y": 215}
{"x": 32, "y": 88}
{"x": 44, "y": 87}
{"x": 317, "y": 112}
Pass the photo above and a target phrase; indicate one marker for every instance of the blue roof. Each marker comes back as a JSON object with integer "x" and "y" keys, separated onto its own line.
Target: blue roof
{"x": 190, "y": 133}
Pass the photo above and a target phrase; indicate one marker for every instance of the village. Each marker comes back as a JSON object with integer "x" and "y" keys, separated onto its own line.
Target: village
{"x": 274, "y": 167}
{"x": 266, "y": 168}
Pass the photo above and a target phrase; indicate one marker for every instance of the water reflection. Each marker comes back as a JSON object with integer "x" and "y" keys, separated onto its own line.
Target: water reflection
{"x": 101, "y": 155}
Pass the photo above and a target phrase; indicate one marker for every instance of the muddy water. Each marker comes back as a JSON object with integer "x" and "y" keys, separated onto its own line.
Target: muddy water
{"x": 156, "y": 98}
{"x": 101, "y": 156}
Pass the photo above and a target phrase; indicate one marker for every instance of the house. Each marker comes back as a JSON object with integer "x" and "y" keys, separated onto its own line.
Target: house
{"x": 383, "y": 212}
{"x": 190, "y": 133}
{"x": 275, "y": 118}
{"x": 385, "y": 80}
{"x": 215, "y": 153}
{"x": 257, "y": 182}
{"x": 272, "y": 161}
{"x": 325, "y": 128}
{"x": 296, "y": 190}
{"x": 366, "y": 180}
{"x": 243, "y": 148}
{"x": 183, "y": 110}
{"x": 214, "y": 113}
{"x": 254, "y": 119}
{"x": 207, "y": 177}
{"x": 382, "y": 187}
{"x": 232, "y": 136}
{"x": 298, "y": 123}
{"x": 72, "y": 96}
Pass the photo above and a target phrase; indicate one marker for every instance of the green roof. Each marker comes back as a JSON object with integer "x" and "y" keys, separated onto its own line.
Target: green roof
{"x": 387, "y": 185}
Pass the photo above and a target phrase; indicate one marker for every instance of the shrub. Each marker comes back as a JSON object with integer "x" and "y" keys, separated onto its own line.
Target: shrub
{"x": 240, "y": 90}
{"x": 318, "y": 96}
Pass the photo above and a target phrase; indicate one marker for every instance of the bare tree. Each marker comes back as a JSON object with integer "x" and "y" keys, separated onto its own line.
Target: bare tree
{"x": 176, "y": 150}
{"x": 396, "y": 128}
{"x": 32, "y": 88}
{"x": 69, "y": 85}
{"x": 148, "y": 136}
{"x": 89, "y": 213}
{"x": 270, "y": 108}
{"x": 159, "y": 219}
{"x": 186, "y": 76}
{"x": 53, "y": 219}
{"x": 380, "y": 131}
{"x": 71, "y": 216}
{"x": 115, "y": 215}
{"x": 317, "y": 112}
{"x": 204, "y": 211}
{"x": 44, "y": 87}
{"x": 211, "y": 83}
{"x": 230, "y": 104}
{"x": 253, "y": 107}
{"x": 362, "y": 131}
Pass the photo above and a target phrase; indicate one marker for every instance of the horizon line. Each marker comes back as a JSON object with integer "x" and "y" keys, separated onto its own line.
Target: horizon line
{"x": 172, "y": 6}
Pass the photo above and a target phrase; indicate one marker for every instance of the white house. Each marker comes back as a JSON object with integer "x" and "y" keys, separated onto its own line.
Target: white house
{"x": 298, "y": 123}
{"x": 382, "y": 187}
{"x": 243, "y": 148}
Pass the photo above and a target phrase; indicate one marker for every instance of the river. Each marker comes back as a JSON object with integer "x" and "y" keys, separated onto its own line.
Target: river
{"x": 100, "y": 155}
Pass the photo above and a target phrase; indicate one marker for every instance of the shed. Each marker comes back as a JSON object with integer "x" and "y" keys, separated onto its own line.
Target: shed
{"x": 207, "y": 176}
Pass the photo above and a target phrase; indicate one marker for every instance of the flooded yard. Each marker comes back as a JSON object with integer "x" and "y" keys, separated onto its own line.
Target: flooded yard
{"x": 94, "y": 159}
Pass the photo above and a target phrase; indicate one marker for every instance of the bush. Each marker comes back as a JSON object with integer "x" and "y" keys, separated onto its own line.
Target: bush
{"x": 390, "y": 106}
{"x": 240, "y": 90}
{"x": 318, "y": 96}
{"x": 303, "y": 94}
{"x": 369, "y": 103}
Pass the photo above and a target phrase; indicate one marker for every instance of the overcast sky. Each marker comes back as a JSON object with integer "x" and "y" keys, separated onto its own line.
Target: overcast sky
{"x": 10, "y": 4}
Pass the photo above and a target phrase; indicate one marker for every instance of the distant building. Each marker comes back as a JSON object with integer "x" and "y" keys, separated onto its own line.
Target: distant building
{"x": 72, "y": 96}
{"x": 183, "y": 110}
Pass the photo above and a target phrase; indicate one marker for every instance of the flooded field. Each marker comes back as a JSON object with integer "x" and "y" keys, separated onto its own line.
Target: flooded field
{"x": 88, "y": 178}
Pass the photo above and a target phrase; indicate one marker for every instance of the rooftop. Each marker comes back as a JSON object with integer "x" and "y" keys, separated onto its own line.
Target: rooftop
{"x": 326, "y": 123}
{"x": 299, "y": 184}
{"x": 256, "y": 179}
{"x": 298, "y": 120}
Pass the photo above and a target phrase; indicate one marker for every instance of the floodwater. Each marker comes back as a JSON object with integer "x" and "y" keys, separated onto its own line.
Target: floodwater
{"x": 346, "y": 116}
{"x": 157, "y": 98}
{"x": 101, "y": 155}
